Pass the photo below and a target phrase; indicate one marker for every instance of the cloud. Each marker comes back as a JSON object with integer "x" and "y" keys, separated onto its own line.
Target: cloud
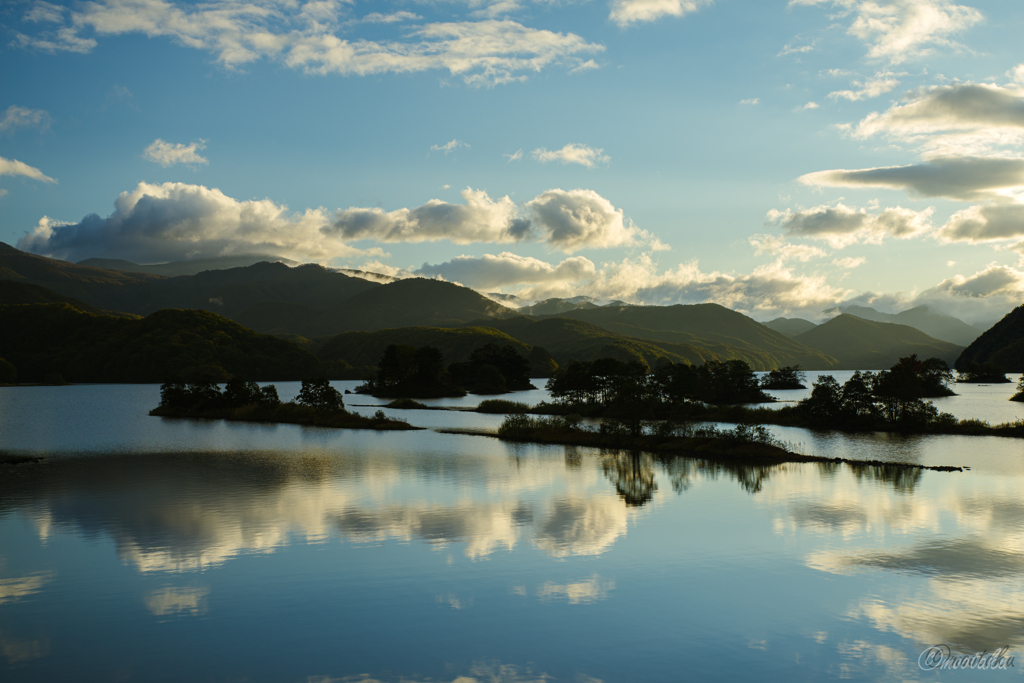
{"x": 14, "y": 167}
{"x": 962, "y": 178}
{"x": 841, "y": 225}
{"x": 574, "y": 219}
{"x": 448, "y": 147}
{"x": 480, "y": 219}
{"x": 986, "y": 295}
{"x": 514, "y": 156}
{"x": 755, "y": 100}
{"x": 881, "y": 83}
{"x": 626, "y": 12}
{"x": 902, "y": 30}
{"x": 965, "y": 117}
{"x": 378, "y": 18}
{"x": 505, "y": 269}
{"x": 849, "y": 262}
{"x": 45, "y": 12}
{"x": 785, "y": 251}
{"x": 985, "y": 223}
{"x": 14, "y": 589}
{"x": 572, "y": 154}
{"x": 177, "y": 601}
{"x": 168, "y": 154}
{"x": 22, "y": 117}
{"x": 809, "y": 105}
{"x": 790, "y": 49}
{"x": 175, "y": 221}
{"x": 482, "y": 53}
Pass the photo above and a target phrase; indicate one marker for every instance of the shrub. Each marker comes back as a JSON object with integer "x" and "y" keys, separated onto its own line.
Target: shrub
{"x": 501, "y": 406}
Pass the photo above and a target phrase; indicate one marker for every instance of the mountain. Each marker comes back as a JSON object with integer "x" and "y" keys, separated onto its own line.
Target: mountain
{"x": 937, "y": 325}
{"x": 566, "y": 339}
{"x": 185, "y": 267}
{"x": 790, "y": 326}
{"x": 48, "y": 338}
{"x": 716, "y": 329}
{"x": 363, "y": 349}
{"x": 860, "y": 344}
{"x": 14, "y": 292}
{"x": 1002, "y": 345}
{"x": 556, "y": 306}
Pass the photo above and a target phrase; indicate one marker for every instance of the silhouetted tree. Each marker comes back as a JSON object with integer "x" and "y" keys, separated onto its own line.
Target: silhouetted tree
{"x": 319, "y": 395}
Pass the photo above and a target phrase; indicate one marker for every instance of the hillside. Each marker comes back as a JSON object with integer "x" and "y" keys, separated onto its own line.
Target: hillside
{"x": 13, "y": 292}
{"x": 860, "y": 344}
{"x": 363, "y": 349}
{"x": 717, "y": 329}
{"x": 86, "y": 347}
{"x": 934, "y": 324}
{"x": 1002, "y": 345}
{"x": 555, "y": 307}
{"x": 790, "y": 326}
{"x": 415, "y": 302}
{"x": 185, "y": 267}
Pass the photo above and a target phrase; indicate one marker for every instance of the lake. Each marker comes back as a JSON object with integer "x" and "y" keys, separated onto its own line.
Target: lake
{"x": 151, "y": 549}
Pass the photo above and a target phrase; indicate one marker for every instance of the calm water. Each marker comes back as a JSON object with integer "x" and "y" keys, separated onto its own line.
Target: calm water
{"x": 148, "y": 549}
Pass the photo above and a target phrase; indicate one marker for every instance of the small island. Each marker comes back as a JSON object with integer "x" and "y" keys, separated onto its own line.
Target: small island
{"x": 981, "y": 373}
{"x": 789, "y": 377}
{"x": 318, "y": 404}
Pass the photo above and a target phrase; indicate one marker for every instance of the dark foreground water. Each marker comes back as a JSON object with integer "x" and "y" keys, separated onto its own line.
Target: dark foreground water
{"x": 148, "y": 549}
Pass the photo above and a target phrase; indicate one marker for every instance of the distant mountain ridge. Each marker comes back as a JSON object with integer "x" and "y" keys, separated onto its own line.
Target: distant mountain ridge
{"x": 790, "y": 327}
{"x": 191, "y": 267}
{"x": 860, "y": 344}
{"x": 937, "y": 325}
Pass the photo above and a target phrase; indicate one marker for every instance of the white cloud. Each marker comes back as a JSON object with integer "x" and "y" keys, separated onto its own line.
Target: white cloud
{"x": 785, "y": 251}
{"x": 175, "y": 221}
{"x": 841, "y": 225}
{"x": 849, "y": 262}
{"x": 790, "y": 49}
{"x": 449, "y": 146}
{"x": 14, "y": 167}
{"x": 993, "y": 281}
{"x": 879, "y": 84}
{"x": 507, "y": 269}
{"x": 168, "y": 154}
{"x": 626, "y": 12}
{"x": 22, "y": 117}
{"x": 176, "y": 601}
{"x": 514, "y": 156}
{"x": 985, "y": 223}
{"x": 44, "y": 12}
{"x": 480, "y": 219}
{"x": 482, "y": 53}
{"x": 575, "y": 219}
{"x": 378, "y": 18}
{"x": 809, "y": 105}
{"x": 572, "y": 154}
{"x": 755, "y": 100}
{"x": 900, "y": 30}
{"x": 962, "y": 178}
{"x": 964, "y": 118}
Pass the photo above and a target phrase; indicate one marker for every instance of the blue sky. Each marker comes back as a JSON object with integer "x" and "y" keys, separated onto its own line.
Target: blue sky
{"x": 778, "y": 158}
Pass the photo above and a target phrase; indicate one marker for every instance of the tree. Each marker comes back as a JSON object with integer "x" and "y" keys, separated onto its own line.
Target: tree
{"x": 857, "y": 399}
{"x": 268, "y": 397}
{"x": 789, "y": 377}
{"x": 826, "y": 400}
{"x": 239, "y": 392}
{"x": 319, "y": 395}
{"x": 510, "y": 363}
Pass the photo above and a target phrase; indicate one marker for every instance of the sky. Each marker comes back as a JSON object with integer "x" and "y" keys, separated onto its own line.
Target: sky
{"x": 778, "y": 158}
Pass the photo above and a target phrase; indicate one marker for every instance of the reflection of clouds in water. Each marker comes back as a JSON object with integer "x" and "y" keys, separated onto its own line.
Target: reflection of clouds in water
{"x": 174, "y": 601}
{"x": 855, "y": 655}
{"x": 479, "y": 672}
{"x": 588, "y": 590}
{"x": 17, "y": 649}
{"x": 582, "y": 526}
{"x": 14, "y": 589}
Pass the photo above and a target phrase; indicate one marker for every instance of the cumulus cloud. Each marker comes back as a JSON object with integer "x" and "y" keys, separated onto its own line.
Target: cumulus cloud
{"x": 985, "y": 223}
{"x": 626, "y": 12}
{"x": 378, "y": 18}
{"x": 480, "y": 219}
{"x": 573, "y": 219}
{"x": 901, "y": 30}
{"x": 507, "y": 269}
{"x": 786, "y": 251}
{"x": 482, "y": 53}
{"x": 993, "y": 280}
{"x": 175, "y": 221}
{"x": 572, "y": 154}
{"x": 449, "y": 146}
{"x": 881, "y": 83}
{"x": 168, "y": 154}
{"x": 963, "y": 178}
{"x": 14, "y": 167}
{"x": 965, "y": 118}
{"x": 22, "y": 117}
{"x": 841, "y": 225}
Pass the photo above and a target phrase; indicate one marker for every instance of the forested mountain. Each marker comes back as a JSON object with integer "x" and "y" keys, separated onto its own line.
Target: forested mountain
{"x": 938, "y": 325}
{"x": 43, "y": 339}
{"x": 790, "y": 326}
{"x": 718, "y": 330}
{"x": 860, "y": 344}
{"x": 1002, "y": 345}
{"x": 192, "y": 267}
{"x": 456, "y": 344}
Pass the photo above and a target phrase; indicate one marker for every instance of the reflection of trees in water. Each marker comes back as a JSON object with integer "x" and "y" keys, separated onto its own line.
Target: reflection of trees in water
{"x": 683, "y": 471}
{"x": 633, "y": 475}
{"x": 902, "y": 479}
